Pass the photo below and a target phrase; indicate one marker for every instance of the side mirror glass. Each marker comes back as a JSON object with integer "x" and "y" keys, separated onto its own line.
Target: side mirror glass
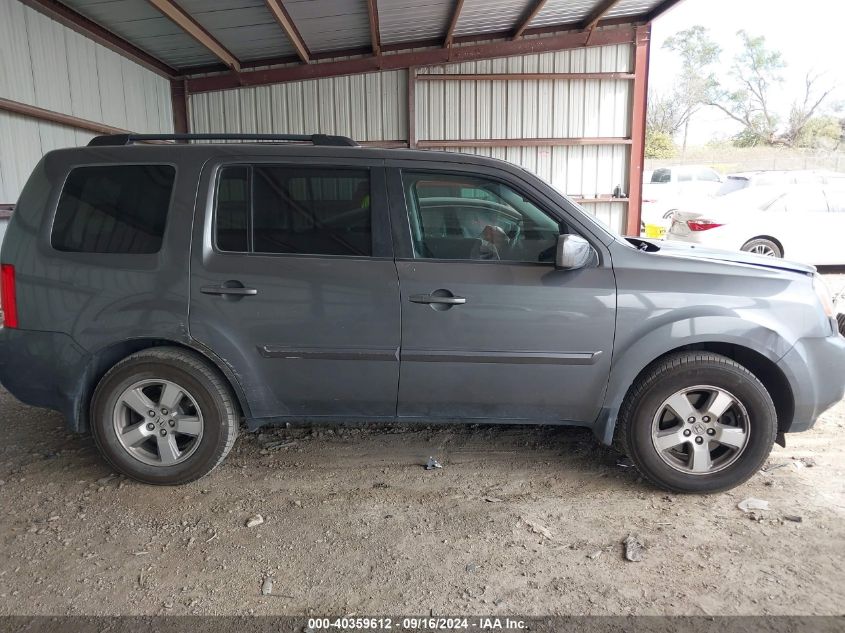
{"x": 574, "y": 252}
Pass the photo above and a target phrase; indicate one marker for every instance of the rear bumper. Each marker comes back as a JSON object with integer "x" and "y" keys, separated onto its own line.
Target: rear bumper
{"x": 815, "y": 368}
{"x": 44, "y": 369}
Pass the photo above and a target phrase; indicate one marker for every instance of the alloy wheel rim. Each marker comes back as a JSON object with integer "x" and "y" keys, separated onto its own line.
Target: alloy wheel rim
{"x": 700, "y": 430}
{"x": 762, "y": 249}
{"x": 158, "y": 422}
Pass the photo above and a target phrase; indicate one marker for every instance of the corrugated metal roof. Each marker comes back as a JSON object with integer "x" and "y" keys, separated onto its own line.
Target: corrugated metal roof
{"x": 490, "y": 16}
{"x": 245, "y": 27}
{"x": 140, "y": 23}
{"x": 249, "y": 31}
{"x": 632, "y": 7}
{"x": 414, "y": 20}
{"x": 330, "y": 25}
{"x": 563, "y": 12}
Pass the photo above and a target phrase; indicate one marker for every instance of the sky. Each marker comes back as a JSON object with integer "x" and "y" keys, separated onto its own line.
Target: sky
{"x": 808, "y": 33}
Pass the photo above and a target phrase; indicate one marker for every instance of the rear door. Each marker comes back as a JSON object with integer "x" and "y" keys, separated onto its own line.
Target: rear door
{"x": 293, "y": 284}
{"x": 490, "y": 329}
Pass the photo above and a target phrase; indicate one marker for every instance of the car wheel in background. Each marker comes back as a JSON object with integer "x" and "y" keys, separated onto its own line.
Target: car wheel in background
{"x": 164, "y": 416}
{"x": 698, "y": 422}
{"x": 762, "y": 246}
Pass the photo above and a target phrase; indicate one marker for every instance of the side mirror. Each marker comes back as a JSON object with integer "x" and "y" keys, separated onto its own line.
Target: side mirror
{"x": 573, "y": 252}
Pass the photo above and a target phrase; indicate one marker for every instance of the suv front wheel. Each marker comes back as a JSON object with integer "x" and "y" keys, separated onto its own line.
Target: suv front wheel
{"x": 698, "y": 422}
{"x": 163, "y": 416}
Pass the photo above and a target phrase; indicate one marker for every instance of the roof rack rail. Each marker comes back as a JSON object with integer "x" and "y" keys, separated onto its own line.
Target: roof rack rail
{"x": 129, "y": 139}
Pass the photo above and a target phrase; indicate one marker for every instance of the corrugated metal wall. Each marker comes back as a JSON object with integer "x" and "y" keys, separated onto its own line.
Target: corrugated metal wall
{"x": 561, "y": 108}
{"x": 50, "y": 66}
{"x": 373, "y": 107}
{"x": 370, "y": 107}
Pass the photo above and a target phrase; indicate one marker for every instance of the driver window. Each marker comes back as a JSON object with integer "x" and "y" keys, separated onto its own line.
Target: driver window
{"x": 465, "y": 217}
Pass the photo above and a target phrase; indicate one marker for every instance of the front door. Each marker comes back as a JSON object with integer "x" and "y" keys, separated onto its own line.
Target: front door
{"x": 490, "y": 329}
{"x": 293, "y": 284}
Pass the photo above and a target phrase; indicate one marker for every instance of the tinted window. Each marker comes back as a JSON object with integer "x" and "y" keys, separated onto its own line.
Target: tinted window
{"x": 233, "y": 210}
{"x": 661, "y": 175}
{"x": 282, "y": 209}
{"x": 462, "y": 217}
{"x": 114, "y": 209}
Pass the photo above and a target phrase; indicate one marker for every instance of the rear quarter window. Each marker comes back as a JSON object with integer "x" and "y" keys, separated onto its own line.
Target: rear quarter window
{"x": 113, "y": 209}
{"x": 661, "y": 175}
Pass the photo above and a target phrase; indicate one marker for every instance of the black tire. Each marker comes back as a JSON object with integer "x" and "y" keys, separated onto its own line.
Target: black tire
{"x": 209, "y": 389}
{"x": 683, "y": 370}
{"x": 761, "y": 242}
{"x": 840, "y": 320}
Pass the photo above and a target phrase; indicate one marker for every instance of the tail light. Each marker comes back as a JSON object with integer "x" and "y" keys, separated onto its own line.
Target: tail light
{"x": 702, "y": 225}
{"x": 8, "y": 298}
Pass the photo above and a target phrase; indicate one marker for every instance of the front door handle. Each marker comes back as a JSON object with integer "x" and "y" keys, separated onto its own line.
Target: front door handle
{"x": 237, "y": 291}
{"x": 440, "y": 297}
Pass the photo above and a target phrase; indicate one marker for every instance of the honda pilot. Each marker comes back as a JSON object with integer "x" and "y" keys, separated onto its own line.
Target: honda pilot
{"x": 159, "y": 294}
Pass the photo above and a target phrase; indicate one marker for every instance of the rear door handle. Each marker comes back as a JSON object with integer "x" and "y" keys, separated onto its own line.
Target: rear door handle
{"x": 238, "y": 291}
{"x": 449, "y": 301}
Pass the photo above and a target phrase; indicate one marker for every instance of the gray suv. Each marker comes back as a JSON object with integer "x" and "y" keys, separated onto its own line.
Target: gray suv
{"x": 158, "y": 293}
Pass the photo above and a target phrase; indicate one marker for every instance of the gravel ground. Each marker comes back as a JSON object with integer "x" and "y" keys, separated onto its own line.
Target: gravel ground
{"x": 518, "y": 520}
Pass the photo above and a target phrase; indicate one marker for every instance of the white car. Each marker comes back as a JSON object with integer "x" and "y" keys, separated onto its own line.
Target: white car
{"x": 763, "y": 178}
{"x": 805, "y": 223}
{"x": 665, "y": 188}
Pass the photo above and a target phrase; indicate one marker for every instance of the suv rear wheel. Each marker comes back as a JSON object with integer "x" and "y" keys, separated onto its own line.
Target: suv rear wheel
{"x": 698, "y": 422}
{"x": 163, "y": 416}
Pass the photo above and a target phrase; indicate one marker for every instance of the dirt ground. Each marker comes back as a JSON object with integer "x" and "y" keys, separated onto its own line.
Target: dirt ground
{"x": 518, "y": 521}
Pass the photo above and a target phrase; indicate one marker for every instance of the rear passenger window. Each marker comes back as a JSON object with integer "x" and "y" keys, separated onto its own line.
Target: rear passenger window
{"x": 114, "y": 209}
{"x": 294, "y": 210}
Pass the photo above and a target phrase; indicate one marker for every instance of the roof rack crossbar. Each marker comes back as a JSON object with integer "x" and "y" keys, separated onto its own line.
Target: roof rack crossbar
{"x": 315, "y": 139}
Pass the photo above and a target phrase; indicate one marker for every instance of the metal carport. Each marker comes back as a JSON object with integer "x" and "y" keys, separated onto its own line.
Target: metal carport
{"x": 558, "y": 86}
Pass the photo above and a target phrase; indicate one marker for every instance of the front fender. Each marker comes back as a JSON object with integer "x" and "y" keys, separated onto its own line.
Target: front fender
{"x": 632, "y": 356}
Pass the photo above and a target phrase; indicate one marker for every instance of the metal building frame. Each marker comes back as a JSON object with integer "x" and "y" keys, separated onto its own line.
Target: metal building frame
{"x": 596, "y": 29}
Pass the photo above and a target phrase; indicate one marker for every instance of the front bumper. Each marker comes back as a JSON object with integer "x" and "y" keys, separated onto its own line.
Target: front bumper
{"x": 815, "y": 368}
{"x": 44, "y": 369}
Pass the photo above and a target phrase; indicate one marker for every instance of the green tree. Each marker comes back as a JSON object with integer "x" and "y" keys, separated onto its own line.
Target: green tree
{"x": 696, "y": 81}
{"x": 659, "y": 145}
{"x": 803, "y": 113}
{"x": 669, "y": 113}
{"x": 820, "y": 132}
{"x": 755, "y": 71}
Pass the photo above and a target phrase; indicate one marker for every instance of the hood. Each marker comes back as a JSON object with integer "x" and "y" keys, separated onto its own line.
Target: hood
{"x": 694, "y": 251}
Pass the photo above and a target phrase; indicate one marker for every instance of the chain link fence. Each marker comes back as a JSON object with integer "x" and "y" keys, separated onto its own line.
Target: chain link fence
{"x": 736, "y": 159}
